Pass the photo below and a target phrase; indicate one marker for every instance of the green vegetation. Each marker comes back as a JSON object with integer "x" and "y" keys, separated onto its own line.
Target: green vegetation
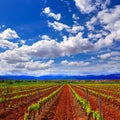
{"x": 86, "y": 106}
{"x": 38, "y": 105}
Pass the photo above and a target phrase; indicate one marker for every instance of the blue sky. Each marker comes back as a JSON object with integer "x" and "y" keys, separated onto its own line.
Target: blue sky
{"x": 74, "y": 37}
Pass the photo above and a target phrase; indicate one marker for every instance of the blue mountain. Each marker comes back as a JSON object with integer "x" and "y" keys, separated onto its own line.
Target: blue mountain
{"x": 61, "y": 77}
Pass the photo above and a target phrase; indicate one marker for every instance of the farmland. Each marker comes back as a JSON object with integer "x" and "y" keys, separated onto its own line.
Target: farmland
{"x": 59, "y": 100}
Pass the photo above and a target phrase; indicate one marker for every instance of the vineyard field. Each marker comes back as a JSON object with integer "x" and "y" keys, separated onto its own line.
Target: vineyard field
{"x": 59, "y": 100}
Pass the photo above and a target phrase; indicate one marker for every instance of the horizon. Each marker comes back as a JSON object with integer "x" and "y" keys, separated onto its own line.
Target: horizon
{"x": 62, "y": 77}
{"x": 75, "y": 37}
{"x": 69, "y": 75}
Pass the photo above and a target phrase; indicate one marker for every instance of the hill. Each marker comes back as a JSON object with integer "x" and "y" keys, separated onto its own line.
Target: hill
{"x": 61, "y": 77}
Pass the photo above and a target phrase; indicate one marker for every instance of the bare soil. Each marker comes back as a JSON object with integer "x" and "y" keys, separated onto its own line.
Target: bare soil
{"x": 17, "y": 113}
{"x": 63, "y": 107}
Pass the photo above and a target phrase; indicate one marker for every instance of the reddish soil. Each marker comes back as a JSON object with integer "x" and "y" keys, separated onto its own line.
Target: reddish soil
{"x": 113, "y": 102}
{"x": 64, "y": 107}
{"x": 109, "y": 113}
{"x": 17, "y": 113}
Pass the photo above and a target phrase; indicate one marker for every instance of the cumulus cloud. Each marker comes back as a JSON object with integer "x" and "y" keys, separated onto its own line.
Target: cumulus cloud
{"x": 95, "y": 69}
{"x": 8, "y": 34}
{"x": 111, "y": 24}
{"x": 45, "y": 37}
{"x": 90, "y": 24}
{"x": 44, "y": 49}
{"x": 110, "y": 55}
{"x": 75, "y": 29}
{"x": 46, "y": 10}
{"x": 51, "y": 14}
{"x": 58, "y": 26}
{"x": 20, "y": 61}
{"x": 87, "y": 6}
{"x": 5, "y": 68}
{"x": 107, "y": 41}
{"x": 74, "y": 63}
{"x": 105, "y": 56}
{"x": 38, "y": 65}
{"x": 28, "y": 67}
{"x": 105, "y": 15}
{"x": 51, "y": 48}
{"x": 14, "y": 56}
{"x": 92, "y": 36}
{"x": 84, "y": 6}
{"x": 109, "y": 27}
{"x": 6, "y": 44}
{"x": 102, "y": 68}
{"x": 77, "y": 44}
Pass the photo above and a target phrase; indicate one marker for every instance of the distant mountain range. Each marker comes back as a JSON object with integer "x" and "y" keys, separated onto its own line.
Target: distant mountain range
{"x": 61, "y": 77}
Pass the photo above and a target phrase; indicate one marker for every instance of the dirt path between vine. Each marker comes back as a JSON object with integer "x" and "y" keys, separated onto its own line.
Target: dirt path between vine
{"x": 64, "y": 107}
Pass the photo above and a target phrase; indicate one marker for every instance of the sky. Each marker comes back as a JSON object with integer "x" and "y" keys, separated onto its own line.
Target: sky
{"x": 70, "y": 37}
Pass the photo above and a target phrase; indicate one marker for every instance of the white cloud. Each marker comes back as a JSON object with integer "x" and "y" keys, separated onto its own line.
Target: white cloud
{"x": 101, "y": 68}
{"x": 8, "y": 34}
{"x": 6, "y": 44}
{"x": 76, "y": 44}
{"x": 45, "y": 37}
{"x": 110, "y": 55}
{"x": 50, "y": 14}
{"x": 104, "y": 56}
{"x": 51, "y": 48}
{"x": 74, "y": 63}
{"x": 105, "y": 15}
{"x": 5, "y": 70}
{"x": 38, "y": 66}
{"x": 75, "y": 17}
{"x": 112, "y": 24}
{"x": 110, "y": 27}
{"x": 107, "y": 41}
{"x": 44, "y": 49}
{"x": 84, "y": 6}
{"x": 75, "y": 29}
{"x": 92, "y": 36}
{"x": 58, "y": 26}
{"x": 14, "y": 56}
{"x": 18, "y": 61}
{"x": 55, "y": 16}
{"x": 28, "y": 67}
{"x": 90, "y": 24}
{"x": 46, "y": 10}
{"x": 87, "y": 6}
